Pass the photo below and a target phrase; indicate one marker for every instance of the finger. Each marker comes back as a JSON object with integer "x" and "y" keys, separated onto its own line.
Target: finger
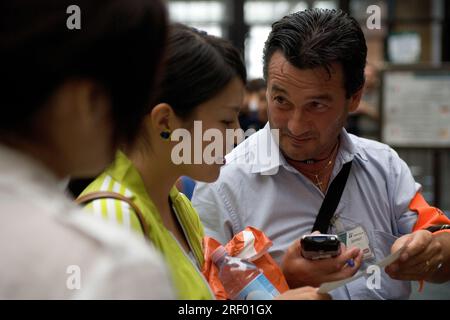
{"x": 294, "y": 250}
{"x": 349, "y": 254}
{"x": 419, "y": 243}
{"x": 296, "y": 246}
{"x": 291, "y": 259}
{"x": 348, "y": 271}
{"x": 303, "y": 293}
{"x": 316, "y": 232}
{"x": 313, "y": 294}
{"x": 334, "y": 265}
{"x": 417, "y": 261}
{"x": 406, "y": 277}
{"x": 418, "y": 272}
{"x": 400, "y": 242}
{"x": 432, "y": 254}
{"x": 359, "y": 260}
{"x": 413, "y": 261}
{"x": 323, "y": 296}
{"x": 423, "y": 272}
{"x": 423, "y": 266}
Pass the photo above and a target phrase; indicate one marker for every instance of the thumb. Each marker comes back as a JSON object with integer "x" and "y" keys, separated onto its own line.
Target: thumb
{"x": 400, "y": 242}
{"x": 351, "y": 253}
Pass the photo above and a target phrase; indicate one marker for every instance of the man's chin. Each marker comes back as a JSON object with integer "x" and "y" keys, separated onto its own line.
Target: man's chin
{"x": 290, "y": 154}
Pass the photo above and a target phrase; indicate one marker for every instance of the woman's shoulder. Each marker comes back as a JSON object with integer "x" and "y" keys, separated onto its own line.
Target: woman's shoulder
{"x": 116, "y": 207}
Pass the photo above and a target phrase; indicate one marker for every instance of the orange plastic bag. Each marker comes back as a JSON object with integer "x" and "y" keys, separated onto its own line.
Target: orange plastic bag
{"x": 250, "y": 244}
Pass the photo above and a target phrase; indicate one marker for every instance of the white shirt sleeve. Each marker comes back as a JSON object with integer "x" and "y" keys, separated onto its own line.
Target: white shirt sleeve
{"x": 127, "y": 266}
{"x": 144, "y": 278}
{"x": 213, "y": 212}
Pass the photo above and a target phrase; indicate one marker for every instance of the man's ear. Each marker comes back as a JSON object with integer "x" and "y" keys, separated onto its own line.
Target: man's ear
{"x": 355, "y": 99}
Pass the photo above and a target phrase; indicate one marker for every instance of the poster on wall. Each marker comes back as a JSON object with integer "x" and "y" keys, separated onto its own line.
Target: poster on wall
{"x": 416, "y": 108}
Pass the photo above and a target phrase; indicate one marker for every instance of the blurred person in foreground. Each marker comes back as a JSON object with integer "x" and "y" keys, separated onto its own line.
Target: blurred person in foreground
{"x": 68, "y": 98}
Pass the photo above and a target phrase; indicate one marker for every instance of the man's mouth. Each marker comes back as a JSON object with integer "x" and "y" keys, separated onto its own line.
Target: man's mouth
{"x": 300, "y": 140}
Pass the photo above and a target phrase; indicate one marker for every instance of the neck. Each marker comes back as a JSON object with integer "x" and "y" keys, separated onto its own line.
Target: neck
{"x": 316, "y": 165}
{"x": 159, "y": 177}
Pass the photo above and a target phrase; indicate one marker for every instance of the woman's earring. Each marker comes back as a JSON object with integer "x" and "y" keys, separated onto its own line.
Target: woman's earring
{"x": 165, "y": 134}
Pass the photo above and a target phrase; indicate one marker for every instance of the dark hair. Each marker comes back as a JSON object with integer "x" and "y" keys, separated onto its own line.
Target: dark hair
{"x": 318, "y": 37}
{"x": 119, "y": 47}
{"x": 198, "y": 66}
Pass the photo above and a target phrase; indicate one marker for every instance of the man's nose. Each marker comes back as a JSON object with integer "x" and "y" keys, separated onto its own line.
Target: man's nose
{"x": 299, "y": 123}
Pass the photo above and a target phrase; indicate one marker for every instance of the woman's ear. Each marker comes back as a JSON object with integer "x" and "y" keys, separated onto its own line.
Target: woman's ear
{"x": 163, "y": 118}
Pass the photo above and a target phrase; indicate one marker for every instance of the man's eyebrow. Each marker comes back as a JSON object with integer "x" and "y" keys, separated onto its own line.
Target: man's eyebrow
{"x": 325, "y": 96}
{"x": 279, "y": 89}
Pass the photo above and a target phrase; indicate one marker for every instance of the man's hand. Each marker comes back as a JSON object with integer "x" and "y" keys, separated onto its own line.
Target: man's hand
{"x": 425, "y": 257}
{"x": 303, "y": 272}
{"x": 305, "y": 293}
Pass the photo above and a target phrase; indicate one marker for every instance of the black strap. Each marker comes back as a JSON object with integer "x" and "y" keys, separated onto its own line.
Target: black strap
{"x": 437, "y": 228}
{"x": 332, "y": 199}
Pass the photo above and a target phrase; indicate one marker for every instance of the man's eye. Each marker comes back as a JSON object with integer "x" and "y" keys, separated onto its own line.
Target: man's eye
{"x": 318, "y": 106}
{"x": 279, "y": 100}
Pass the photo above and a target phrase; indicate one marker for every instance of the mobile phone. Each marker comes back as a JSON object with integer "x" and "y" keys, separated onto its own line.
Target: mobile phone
{"x": 320, "y": 246}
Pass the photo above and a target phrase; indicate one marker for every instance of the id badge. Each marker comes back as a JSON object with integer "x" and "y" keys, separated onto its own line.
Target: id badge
{"x": 355, "y": 236}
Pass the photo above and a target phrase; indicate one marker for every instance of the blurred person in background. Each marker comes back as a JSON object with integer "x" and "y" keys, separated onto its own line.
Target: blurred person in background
{"x": 364, "y": 121}
{"x": 254, "y": 111}
{"x": 68, "y": 99}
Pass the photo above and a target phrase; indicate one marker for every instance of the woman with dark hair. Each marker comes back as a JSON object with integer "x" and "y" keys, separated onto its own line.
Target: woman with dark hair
{"x": 203, "y": 85}
{"x": 68, "y": 99}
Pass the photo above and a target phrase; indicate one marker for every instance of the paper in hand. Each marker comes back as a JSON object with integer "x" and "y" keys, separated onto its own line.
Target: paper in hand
{"x": 329, "y": 286}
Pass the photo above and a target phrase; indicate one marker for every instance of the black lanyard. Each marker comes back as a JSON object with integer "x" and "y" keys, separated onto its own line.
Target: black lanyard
{"x": 332, "y": 199}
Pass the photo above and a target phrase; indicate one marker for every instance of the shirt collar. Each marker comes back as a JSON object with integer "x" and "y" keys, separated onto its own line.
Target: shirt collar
{"x": 349, "y": 148}
{"x": 17, "y": 167}
{"x": 123, "y": 171}
{"x": 265, "y": 153}
{"x": 270, "y": 157}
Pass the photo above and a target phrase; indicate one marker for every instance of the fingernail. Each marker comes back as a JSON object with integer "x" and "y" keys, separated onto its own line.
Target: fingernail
{"x": 350, "y": 263}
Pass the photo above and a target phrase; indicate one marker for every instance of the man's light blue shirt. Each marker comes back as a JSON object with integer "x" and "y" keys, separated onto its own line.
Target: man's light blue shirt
{"x": 265, "y": 192}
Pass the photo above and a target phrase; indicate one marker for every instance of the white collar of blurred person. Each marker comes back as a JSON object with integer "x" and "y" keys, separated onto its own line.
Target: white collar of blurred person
{"x": 16, "y": 167}
{"x": 261, "y": 152}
